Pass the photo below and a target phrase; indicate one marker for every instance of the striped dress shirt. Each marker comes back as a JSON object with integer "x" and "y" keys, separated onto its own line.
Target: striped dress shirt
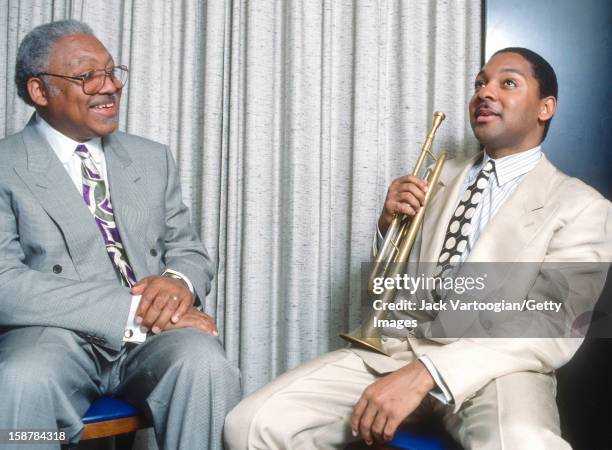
{"x": 508, "y": 174}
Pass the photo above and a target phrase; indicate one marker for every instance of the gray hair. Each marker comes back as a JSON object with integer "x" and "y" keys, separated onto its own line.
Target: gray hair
{"x": 35, "y": 48}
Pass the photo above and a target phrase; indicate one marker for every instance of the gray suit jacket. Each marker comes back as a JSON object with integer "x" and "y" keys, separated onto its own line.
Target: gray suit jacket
{"x": 54, "y": 269}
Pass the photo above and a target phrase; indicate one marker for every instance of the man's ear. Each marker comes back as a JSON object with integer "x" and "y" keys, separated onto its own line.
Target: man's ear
{"x": 548, "y": 107}
{"x": 38, "y": 91}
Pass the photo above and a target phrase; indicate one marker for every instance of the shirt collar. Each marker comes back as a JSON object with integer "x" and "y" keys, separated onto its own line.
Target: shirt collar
{"x": 513, "y": 166}
{"x": 63, "y": 146}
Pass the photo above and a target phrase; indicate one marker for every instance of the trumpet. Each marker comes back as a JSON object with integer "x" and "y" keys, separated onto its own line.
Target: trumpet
{"x": 396, "y": 247}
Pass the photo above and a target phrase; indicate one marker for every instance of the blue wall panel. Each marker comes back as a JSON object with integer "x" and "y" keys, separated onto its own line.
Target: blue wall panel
{"x": 576, "y": 38}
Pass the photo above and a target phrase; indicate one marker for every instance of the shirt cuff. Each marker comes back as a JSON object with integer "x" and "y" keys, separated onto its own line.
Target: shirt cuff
{"x": 440, "y": 391}
{"x": 181, "y": 276}
{"x": 132, "y": 331}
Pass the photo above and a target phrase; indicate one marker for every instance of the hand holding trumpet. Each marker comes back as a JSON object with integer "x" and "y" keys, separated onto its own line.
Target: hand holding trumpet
{"x": 405, "y": 195}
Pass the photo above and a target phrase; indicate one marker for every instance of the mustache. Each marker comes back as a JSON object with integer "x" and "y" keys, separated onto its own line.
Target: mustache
{"x": 104, "y": 99}
{"x": 484, "y": 106}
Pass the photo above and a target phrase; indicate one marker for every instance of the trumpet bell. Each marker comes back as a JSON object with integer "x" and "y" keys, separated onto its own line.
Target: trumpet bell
{"x": 369, "y": 343}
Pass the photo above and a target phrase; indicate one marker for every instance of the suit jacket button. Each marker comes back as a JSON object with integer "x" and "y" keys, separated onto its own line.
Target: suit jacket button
{"x": 57, "y": 268}
{"x": 153, "y": 252}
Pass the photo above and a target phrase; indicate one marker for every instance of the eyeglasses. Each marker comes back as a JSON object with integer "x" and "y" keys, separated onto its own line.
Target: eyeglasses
{"x": 93, "y": 81}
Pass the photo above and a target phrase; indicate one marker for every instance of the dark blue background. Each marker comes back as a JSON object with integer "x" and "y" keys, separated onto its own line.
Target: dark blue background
{"x": 575, "y": 37}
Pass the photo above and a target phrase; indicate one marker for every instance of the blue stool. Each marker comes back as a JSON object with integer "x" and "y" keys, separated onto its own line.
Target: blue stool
{"x": 410, "y": 439}
{"x": 108, "y": 416}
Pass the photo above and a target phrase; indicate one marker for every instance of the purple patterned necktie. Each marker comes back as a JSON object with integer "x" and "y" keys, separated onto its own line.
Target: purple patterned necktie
{"x": 98, "y": 201}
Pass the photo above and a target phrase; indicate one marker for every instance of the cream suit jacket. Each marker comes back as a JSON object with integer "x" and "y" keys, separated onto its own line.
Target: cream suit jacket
{"x": 551, "y": 217}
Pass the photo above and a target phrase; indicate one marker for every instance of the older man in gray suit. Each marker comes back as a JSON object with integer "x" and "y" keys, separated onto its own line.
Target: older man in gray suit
{"x": 99, "y": 294}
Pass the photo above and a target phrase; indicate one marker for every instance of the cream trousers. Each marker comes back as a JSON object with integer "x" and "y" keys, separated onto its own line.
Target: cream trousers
{"x": 310, "y": 408}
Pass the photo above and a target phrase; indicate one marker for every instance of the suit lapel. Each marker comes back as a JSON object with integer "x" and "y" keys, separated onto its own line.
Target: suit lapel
{"x": 441, "y": 208}
{"x": 518, "y": 219}
{"x": 503, "y": 240}
{"x": 435, "y": 223}
{"x": 52, "y": 186}
{"x": 127, "y": 182}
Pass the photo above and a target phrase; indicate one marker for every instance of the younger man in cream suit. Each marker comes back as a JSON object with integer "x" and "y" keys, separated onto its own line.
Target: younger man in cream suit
{"x": 489, "y": 393}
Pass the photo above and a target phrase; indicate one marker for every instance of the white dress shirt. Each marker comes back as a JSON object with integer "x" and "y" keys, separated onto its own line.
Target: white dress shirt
{"x": 64, "y": 147}
{"x": 508, "y": 174}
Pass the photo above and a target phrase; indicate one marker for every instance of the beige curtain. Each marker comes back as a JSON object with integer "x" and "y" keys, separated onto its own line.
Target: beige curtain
{"x": 288, "y": 120}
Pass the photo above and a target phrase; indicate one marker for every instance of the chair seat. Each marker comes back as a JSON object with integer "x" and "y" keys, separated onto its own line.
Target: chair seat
{"x": 407, "y": 440}
{"x": 108, "y": 408}
{"x": 411, "y": 437}
{"x": 109, "y": 416}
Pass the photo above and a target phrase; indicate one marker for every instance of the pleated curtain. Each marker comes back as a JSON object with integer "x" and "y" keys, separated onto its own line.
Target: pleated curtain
{"x": 288, "y": 120}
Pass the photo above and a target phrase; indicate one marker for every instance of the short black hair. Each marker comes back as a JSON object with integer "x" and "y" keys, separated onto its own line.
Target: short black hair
{"x": 541, "y": 70}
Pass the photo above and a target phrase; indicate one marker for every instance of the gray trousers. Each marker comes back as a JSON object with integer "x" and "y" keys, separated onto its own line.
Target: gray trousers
{"x": 49, "y": 377}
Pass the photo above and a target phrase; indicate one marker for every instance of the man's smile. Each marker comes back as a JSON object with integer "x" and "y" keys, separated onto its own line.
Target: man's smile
{"x": 104, "y": 106}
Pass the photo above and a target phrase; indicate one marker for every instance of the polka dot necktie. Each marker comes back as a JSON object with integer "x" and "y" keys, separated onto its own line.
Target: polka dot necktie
{"x": 460, "y": 226}
{"x": 97, "y": 198}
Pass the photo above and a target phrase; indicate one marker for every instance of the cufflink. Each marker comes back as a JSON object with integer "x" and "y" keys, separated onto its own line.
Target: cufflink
{"x": 128, "y": 333}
